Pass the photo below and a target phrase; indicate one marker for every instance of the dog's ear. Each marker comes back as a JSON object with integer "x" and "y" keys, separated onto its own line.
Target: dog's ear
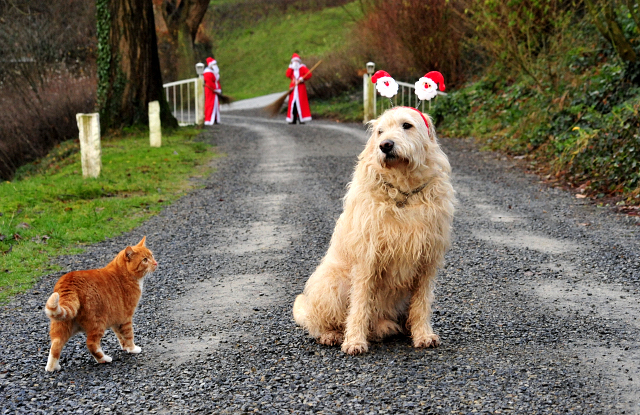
{"x": 431, "y": 130}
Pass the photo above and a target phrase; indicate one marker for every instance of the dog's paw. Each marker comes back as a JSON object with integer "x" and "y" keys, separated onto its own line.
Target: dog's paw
{"x": 428, "y": 340}
{"x": 355, "y": 348}
{"x": 331, "y": 338}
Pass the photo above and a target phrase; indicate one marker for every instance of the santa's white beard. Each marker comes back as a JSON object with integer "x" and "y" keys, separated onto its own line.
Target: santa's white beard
{"x": 295, "y": 65}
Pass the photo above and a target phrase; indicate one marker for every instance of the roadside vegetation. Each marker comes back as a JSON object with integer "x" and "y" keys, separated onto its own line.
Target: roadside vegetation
{"x": 47, "y": 75}
{"x": 560, "y": 94}
{"x": 49, "y": 209}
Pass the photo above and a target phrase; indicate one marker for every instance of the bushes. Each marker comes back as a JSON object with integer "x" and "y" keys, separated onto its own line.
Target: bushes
{"x": 408, "y": 38}
{"x": 46, "y": 76}
{"x": 587, "y": 136}
{"x": 524, "y": 36}
{"x": 32, "y": 122}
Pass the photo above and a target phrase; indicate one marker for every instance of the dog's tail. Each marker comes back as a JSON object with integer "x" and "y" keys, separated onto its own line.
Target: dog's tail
{"x": 57, "y": 310}
{"x": 300, "y": 310}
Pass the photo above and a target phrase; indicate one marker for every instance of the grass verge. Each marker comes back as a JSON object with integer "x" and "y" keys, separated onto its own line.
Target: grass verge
{"x": 347, "y": 107}
{"x": 51, "y": 210}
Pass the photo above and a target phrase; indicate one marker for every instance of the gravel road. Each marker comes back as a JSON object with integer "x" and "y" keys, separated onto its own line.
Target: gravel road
{"x": 538, "y": 307}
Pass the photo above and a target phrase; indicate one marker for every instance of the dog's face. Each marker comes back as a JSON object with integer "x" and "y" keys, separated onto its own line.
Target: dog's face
{"x": 402, "y": 141}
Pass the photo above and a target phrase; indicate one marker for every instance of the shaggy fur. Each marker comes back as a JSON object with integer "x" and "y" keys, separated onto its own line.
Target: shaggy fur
{"x": 381, "y": 265}
{"x": 94, "y": 300}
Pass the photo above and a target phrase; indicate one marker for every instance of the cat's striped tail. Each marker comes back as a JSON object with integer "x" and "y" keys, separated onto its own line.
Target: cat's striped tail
{"x": 61, "y": 312}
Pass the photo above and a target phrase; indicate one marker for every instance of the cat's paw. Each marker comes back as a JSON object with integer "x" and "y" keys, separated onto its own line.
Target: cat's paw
{"x": 134, "y": 349}
{"x": 52, "y": 367}
{"x": 105, "y": 359}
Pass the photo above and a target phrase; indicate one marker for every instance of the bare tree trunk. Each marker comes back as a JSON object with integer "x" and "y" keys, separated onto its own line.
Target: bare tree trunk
{"x": 182, "y": 18}
{"x": 128, "y": 66}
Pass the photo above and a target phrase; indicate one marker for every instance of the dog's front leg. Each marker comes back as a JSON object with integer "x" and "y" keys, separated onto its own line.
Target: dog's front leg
{"x": 359, "y": 316}
{"x": 420, "y": 311}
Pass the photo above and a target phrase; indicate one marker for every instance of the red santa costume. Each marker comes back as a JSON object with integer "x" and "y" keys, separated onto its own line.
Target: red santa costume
{"x": 298, "y": 102}
{"x": 211, "y": 90}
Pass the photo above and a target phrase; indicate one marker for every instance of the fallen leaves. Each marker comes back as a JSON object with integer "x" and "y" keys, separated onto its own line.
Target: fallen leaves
{"x": 40, "y": 239}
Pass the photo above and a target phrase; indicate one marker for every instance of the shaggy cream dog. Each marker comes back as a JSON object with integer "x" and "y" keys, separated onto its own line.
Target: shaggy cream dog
{"x": 388, "y": 243}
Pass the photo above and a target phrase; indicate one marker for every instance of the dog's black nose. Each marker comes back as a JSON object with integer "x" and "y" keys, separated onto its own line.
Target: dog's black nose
{"x": 386, "y": 146}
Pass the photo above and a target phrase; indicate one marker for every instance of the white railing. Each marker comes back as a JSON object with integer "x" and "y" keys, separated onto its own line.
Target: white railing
{"x": 182, "y": 97}
{"x": 406, "y": 97}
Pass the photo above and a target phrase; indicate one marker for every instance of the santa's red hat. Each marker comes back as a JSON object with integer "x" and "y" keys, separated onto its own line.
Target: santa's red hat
{"x": 378, "y": 75}
{"x": 210, "y": 61}
{"x": 436, "y": 77}
{"x": 295, "y": 56}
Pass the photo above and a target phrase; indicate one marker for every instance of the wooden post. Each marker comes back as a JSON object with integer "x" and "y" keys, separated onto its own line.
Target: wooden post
{"x": 90, "y": 150}
{"x": 155, "y": 128}
{"x": 200, "y": 101}
{"x": 369, "y": 92}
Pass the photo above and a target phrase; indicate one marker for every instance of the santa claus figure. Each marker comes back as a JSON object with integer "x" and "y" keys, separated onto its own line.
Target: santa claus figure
{"x": 427, "y": 86}
{"x": 211, "y": 90}
{"x": 298, "y": 102}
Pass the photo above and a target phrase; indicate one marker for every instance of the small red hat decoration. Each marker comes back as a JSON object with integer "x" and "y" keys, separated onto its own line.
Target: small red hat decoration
{"x": 378, "y": 75}
{"x": 295, "y": 56}
{"x": 436, "y": 77}
{"x": 210, "y": 60}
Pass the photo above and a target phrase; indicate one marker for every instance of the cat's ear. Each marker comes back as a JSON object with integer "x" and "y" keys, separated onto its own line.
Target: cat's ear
{"x": 128, "y": 253}
{"x": 142, "y": 242}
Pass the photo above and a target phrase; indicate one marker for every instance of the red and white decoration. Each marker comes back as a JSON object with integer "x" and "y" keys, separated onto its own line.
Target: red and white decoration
{"x": 298, "y": 73}
{"x": 385, "y": 84}
{"x": 211, "y": 90}
{"x": 427, "y": 86}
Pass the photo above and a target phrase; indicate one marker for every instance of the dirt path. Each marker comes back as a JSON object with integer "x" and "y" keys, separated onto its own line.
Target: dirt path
{"x": 537, "y": 307}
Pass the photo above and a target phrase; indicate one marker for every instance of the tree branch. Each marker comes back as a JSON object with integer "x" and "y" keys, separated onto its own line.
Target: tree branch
{"x": 612, "y": 31}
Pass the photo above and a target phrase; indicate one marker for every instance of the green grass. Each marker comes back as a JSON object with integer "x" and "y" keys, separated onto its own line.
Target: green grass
{"x": 253, "y": 60}
{"x": 347, "y": 107}
{"x": 51, "y": 210}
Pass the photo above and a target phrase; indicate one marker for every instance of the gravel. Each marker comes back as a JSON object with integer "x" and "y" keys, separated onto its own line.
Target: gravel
{"x": 537, "y": 307}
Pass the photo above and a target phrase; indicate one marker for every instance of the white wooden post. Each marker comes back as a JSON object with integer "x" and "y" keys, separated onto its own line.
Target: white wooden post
{"x": 200, "y": 94}
{"x": 369, "y": 92}
{"x": 90, "y": 150}
{"x": 200, "y": 101}
{"x": 155, "y": 128}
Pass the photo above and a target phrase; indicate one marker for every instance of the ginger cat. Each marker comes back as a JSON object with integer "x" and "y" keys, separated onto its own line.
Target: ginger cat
{"x": 95, "y": 300}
